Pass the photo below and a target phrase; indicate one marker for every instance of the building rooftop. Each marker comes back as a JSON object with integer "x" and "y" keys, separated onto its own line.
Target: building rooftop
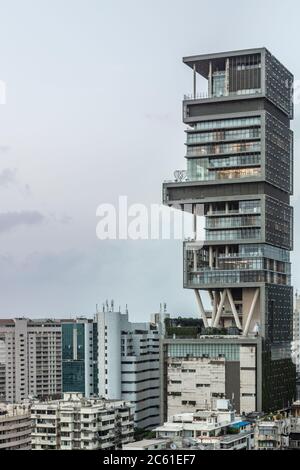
{"x": 201, "y": 61}
{"x": 145, "y": 443}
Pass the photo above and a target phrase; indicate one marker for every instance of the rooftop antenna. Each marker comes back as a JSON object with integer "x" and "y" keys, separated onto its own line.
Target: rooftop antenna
{"x": 112, "y": 305}
{"x": 106, "y": 304}
{"x": 165, "y": 307}
{"x": 103, "y": 307}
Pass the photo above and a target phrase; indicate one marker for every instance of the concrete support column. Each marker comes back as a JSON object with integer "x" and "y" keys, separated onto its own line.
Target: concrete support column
{"x": 226, "y": 91}
{"x": 250, "y": 314}
{"x": 195, "y": 260}
{"x": 220, "y": 308}
{"x": 233, "y": 309}
{"x": 215, "y": 306}
{"x": 194, "y": 81}
{"x": 211, "y": 257}
{"x": 210, "y": 79}
{"x": 194, "y": 208}
{"x": 217, "y": 255}
{"x": 201, "y": 308}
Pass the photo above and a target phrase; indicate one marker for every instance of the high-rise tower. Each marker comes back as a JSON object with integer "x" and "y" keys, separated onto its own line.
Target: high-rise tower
{"x": 239, "y": 151}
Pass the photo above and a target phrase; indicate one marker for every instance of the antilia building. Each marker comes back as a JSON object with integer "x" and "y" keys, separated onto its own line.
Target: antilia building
{"x": 239, "y": 153}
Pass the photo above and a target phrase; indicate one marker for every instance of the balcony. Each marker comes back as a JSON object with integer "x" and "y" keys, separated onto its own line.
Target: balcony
{"x": 233, "y": 235}
{"x": 233, "y": 222}
{"x": 229, "y": 277}
{"x": 205, "y": 95}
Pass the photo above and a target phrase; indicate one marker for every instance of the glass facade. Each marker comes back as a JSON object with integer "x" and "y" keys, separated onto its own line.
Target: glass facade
{"x": 233, "y": 221}
{"x": 238, "y": 134}
{"x": 241, "y": 234}
{"x": 216, "y": 149}
{"x": 226, "y": 123}
{"x": 231, "y": 352}
{"x": 73, "y": 357}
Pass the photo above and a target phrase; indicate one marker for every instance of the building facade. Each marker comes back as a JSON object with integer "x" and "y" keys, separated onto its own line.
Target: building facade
{"x": 272, "y": 435}
{"x": 31, "y": 351}
{"x": 78, "y": 423}
{"x": 15, "y": 427}
{"x": 239, "y": 152}
{"x": 199, "y": 371}
{"x": 296, "y": 334}
{"x": 128, "y": 364}
{"x": 79, "y": 356}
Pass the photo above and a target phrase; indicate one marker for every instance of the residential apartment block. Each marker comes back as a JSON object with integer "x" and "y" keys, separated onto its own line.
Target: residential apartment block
{"x": 15, "y": 427}
{"x": 31, "y": 353}
{"x": 78, "y": 423}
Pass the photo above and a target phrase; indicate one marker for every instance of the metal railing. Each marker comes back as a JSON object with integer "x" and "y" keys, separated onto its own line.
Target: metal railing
{"x": 205, "y": 95}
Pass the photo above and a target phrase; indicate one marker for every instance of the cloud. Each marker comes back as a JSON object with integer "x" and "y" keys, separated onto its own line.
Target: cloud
{"x": 7, "y": 177}
{"x": 10, "y": 220}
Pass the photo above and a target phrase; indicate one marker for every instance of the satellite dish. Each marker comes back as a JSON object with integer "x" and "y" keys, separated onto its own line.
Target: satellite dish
{"x": 180, "y": 175}
{"x": 173, "y": 446}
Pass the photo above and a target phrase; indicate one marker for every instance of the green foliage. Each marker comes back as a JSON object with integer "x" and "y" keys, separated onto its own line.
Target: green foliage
{"x": 233, "y": 430}
{"x": 140, "y": 434}
{"x": 183, "y": 332}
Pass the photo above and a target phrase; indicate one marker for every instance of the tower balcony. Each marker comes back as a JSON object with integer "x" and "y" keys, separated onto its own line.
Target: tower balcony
{"x": 217, "y": 278}
{"x": 220, "y": 266}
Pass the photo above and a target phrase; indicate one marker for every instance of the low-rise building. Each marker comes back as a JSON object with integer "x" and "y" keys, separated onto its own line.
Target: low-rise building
{"x": 272, "y": 435}
{"x": 15, "y": 427}
{"x": 213, "y": 429}
{"x": 149, "y": 444}
{"x": 294, "y": 436}
{"x": 80, "y": 423}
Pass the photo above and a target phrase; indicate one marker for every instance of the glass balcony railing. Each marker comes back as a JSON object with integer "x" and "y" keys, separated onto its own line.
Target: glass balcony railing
{"x": 224, "y": 174}
{"x": 230, "y": 235}
{"x": 204, "y": 95}
{"x": 236, "y": 161}
{"x": 233, "y": 222}
{"x": 235, "y": 277}
{"x": 226, "y": 135}
{"x": 222, "y": 124}
{"x": 223, "y": 149}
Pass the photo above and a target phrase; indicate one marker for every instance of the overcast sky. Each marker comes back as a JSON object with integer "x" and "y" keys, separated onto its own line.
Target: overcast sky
{"x": 94, "y": 91}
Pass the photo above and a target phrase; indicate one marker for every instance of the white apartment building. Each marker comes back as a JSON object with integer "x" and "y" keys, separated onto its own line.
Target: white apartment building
{"x": 31, "y": 352}
{"x": 78, "y": 423}
{"x": 128, "y": 364}
{"x": 208, "y": 429}
{"x": 15, "y": 427}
